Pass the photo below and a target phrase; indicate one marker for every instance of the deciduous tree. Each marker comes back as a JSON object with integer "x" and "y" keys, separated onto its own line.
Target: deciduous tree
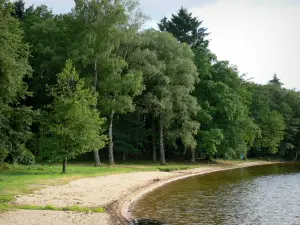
{"x": 15, "y": 118}
{"x": 71, "y": 125}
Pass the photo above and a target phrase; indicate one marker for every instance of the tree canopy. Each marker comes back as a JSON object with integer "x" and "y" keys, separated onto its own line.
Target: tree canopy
{"x": 70, "y": 125}
{"x": 159, "y": 91}
{"x": 15, "y": 118}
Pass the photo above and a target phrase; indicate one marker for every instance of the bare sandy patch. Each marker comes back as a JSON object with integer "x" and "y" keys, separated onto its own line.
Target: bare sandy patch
{"x": 91, "y": 192}
{"x": 38, "y": 217}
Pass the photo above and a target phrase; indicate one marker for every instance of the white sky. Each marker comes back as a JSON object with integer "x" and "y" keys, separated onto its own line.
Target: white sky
{"x": 261, "y": 37}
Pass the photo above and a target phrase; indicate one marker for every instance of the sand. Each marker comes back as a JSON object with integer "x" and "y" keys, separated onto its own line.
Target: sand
{"x": 116, "y": 192}
{"x": 36, "y": 217}
{"x": 91, "y": 192}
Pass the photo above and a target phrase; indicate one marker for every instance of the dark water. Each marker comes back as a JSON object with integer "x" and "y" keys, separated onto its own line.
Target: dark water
{"x": 255, "y": 195}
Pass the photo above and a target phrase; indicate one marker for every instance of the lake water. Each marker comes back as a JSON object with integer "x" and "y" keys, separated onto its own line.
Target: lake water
{"x": 256, "y": 195}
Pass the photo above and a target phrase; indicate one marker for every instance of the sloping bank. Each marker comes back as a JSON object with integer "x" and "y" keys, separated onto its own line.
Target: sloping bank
{"x": 115, "y": 192}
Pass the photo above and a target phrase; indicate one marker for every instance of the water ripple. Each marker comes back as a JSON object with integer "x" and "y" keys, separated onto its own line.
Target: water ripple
{"x": 256, "y": 195}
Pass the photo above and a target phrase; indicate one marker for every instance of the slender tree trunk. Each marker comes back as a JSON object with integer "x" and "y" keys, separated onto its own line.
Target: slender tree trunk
{"x": 97, "y": 158}
{"x": 110, "y": 136}
{"x": 153, "y": 141}
{"x": 161, "y": 142}
{"x": 184, "y": 153}
{"x": 96, "y": 152}
{"x": 193, "y": 156}
{"x": 124, "y": 156}
{"x": 64, "y": 165}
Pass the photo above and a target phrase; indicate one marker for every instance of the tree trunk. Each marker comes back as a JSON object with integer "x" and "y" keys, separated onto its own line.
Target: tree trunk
{"x": 96, "y": 152}
{"x": 184, "y": 153}
{"x": 64, "y": 165}
{"x": 97, "y": 158}
{"x": 110, "y": 136}
{"x": 193, "y": 156}
{"x": 153, "y": 141}
{"x": 161, "y": 142}
{"x": 124, "y": 156}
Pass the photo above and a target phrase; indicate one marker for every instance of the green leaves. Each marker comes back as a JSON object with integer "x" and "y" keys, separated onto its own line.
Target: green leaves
{"x": 15, "y": 119}
{"x": 13, "y": 58}
{"x": 227, "y": 128}
{"x": 117, "y": 91}
{"x": 276, "y": 112}
{"x": 210, "y": 140}
{"x": 144, "y": 82}
{"x": 72, "y": 125}
{"x": 272, "y": 131}
{"x": 170, "y": 77}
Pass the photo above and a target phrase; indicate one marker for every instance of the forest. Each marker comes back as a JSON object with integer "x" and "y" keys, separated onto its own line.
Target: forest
{"x": 93, "y": 82}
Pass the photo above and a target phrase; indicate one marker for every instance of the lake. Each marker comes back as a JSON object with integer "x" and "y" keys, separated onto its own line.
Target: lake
{"x": 268, "y": 194}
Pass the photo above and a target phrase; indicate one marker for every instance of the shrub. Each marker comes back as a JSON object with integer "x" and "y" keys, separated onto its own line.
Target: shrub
{"x": 26, "y": 158}
{"x": 3, "y": 154}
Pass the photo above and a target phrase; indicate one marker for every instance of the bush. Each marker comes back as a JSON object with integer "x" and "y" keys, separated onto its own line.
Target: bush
{"x": 3, "y": 166}
{"x": 26, "y": 158}
{"x": 3, "y": 155}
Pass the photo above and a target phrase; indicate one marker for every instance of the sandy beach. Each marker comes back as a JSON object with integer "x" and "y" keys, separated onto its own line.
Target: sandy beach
{"x": 115, "y": 192}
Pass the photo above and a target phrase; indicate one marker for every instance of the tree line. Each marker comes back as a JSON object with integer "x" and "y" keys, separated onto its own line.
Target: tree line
{"x": 93, "y": 79}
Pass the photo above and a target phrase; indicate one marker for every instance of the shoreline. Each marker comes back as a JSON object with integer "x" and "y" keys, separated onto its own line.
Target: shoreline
{"x": 121, "y": 210}
{"x": 116, "y": 193}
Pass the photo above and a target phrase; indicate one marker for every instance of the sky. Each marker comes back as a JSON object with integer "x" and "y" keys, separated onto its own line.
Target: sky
{"x": 260, "y": 37}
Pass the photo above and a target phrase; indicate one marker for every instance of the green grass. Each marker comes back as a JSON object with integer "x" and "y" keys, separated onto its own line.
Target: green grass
{"x": 6, "y": 199}
{"x": 74, "y": 208}
{"x": 20, "y": 179}
{"x": 24, "y": 179}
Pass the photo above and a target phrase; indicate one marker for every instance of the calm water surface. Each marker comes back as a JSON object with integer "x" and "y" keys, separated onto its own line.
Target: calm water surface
{"x": 255, "y": 195}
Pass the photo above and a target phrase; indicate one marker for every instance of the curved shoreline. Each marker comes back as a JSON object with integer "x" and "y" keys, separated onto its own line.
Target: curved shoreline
{"x": 115, "y": 192}
{"x": 120, "y": 211}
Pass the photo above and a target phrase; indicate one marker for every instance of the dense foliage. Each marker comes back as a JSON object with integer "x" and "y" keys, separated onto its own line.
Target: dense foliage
{"x": 71, "y": 124}
{"x": 162, "y": 92}
{"x": 15, "y": 118}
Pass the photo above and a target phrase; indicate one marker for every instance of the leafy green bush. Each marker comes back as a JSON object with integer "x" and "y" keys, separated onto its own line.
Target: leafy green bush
{"x": 26, "y": 158}
{"x": 3, "y": 154}
{"x": 3, "y": 166}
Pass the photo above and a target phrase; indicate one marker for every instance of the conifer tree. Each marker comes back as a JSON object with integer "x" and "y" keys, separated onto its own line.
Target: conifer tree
{"x": 71, "y": 125}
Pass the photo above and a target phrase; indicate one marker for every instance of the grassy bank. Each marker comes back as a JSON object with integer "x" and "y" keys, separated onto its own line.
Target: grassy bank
{"x": 20, "y": 179}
